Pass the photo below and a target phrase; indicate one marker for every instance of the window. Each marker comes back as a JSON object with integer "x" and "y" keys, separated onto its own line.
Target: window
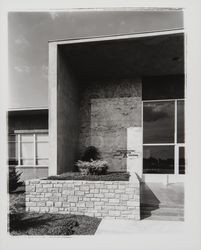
{"x": 163, "y": 137}
{"x": 28, "y": 148}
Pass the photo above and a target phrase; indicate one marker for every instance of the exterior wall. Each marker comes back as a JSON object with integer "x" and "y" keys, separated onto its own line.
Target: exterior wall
{"x": 104, "y": 199}
{"x": 108, "y": 109}
{"x": 29, "y": 121}
{"x": 67, "y": 116}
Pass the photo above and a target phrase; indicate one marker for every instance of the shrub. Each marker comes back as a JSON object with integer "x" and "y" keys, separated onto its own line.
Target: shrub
{"x": 91, "y": 153}
{"x": 14, "y": 178}
{"x": 110, "y": 176}
{"x": 97, "y": 167}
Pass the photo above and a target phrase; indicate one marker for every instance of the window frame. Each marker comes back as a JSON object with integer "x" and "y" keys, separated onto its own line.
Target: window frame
{"x": 175, "y": 143}
{"x": 18, "y": 157}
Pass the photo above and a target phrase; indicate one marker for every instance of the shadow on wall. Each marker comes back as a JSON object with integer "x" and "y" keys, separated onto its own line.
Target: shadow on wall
{"x": 107, "y": 109}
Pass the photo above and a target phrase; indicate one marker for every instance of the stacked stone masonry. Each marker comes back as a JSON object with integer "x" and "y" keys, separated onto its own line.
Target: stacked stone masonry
{"x": 104, "y": 199}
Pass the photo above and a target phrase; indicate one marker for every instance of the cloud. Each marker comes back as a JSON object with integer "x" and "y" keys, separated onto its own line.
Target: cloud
{"x": 22, "y": 69}
{"x": 44, "y": 70}
{"x": 54, "y": 15}
{"x": 22, "y": 41}
{"x": 153, "y": 114}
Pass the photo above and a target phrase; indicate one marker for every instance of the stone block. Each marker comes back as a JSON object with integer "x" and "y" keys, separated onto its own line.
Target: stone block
{"x": 97, "y": 208}
{"x": 95, "y": 199}
{"x": 30, "y": 188}
{"x": 122, "y": 186}
{"x": 81, "y": 204}
{"x": 39, "y": 190}
{"x": 39, "y": 185}
{"x": 73, "y": 209}
{"x": 34, "y": 209}
{"x": 49, "y": 203}
{"x": 89, "y": 195}
{"x": 124, "y": 197}
{"x": 99, "y": 203}
{"x": 58, "y": 204}
{"x": 72, "y": 199}
{"x": 89, "y": 204}
{"x": 129, "y": 190}
{"x": 53, "y": 209}
{"x": 105, "y": 200}
{"x": 84, "y": 188}
{"x": 114, "y": 201}
{"x": 68, "y": 192}
{"x": 31, "y": 204}
{"x": 114, "y": 213}
{"x": 119, "y": 191}
{"x": 79, "y": 193}
{"x": 132, "y": 203}
{"x": 66, "y": 204}
{"x": 99, "y": 195}
{"x": 58, "y": 185}
{"x": 57, "y": 194}
{"x": 44, "y": 209}
{"x": 47, "y": 185}
{"x": 109, "y": 195}
{"x": 104, "y": 190}
{"x": 94, "y": 191}
{"x": 41, "y": 204}
{"x": 48, "y": 194}
{"x": 86, "y": 199}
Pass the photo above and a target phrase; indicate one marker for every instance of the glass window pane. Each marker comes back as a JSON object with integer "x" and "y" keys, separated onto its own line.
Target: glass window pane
{"x": 26, "y": 138}
{"x": 180, "y": 121}
{"x": 181, "y": 160}
{"x": 27, "y": 150}
{"x": 42, "y": 150}
{"x": 27, "y": 162}
{"x": 42, "y": 137}
{"x": 158, "y": 159}
{"x": 42, "y": 162}
{"x": 158, "y": 122}
{"x": 12, "y": 153}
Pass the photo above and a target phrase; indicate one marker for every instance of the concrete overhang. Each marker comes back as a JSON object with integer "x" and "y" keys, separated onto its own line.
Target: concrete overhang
{"x": 28, "y": 111}
{"x": 127, "y": 56}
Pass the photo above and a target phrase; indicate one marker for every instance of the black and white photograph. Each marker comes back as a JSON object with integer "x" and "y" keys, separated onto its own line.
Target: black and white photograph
{"x": 97, "y": 122}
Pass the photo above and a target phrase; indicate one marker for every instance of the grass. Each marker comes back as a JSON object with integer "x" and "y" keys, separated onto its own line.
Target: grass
{"x": 110, "y": 176}
{"x": 24, "y": 223}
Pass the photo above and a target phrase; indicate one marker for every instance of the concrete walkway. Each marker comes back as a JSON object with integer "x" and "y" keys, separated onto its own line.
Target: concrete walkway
{"x": 112, "y": 226}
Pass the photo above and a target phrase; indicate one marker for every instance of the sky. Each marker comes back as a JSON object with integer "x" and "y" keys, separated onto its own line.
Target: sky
{"x": 29, "y": 33}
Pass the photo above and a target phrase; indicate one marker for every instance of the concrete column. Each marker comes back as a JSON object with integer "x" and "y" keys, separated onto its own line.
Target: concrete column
{"x": 135, "y": 143}
{"x": 52, "y": 95}
{"x": 134, "y": 147}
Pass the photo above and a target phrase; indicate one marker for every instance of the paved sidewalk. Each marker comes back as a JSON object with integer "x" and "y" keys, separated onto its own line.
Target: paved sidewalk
{"x": 110, "y": 226}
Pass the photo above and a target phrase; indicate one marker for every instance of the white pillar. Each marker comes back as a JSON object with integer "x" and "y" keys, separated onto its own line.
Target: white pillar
{"x": 52, "y": 99}
{"x": 134, "y": 147}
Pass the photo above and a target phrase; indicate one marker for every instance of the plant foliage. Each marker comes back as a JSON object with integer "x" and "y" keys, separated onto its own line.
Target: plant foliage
{"x": 91, "y": 154}
{"x": 14, "y": 179}
{"x": 97, "y": 167}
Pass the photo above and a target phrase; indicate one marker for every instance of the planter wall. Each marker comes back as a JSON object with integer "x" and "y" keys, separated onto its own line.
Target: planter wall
{"x": 104, "y": 199}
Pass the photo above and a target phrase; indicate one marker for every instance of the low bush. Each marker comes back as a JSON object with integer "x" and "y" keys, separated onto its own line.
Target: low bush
{"x": 96, "y": 167}
{"x": 14, "y": 179}
{"x": 91, "y": 154}
{"x": 110, "y": 176}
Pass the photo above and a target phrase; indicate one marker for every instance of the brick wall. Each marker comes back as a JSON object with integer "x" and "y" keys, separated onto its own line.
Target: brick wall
{"x": 107, "y": 109}
{"x": 104, "y": 199}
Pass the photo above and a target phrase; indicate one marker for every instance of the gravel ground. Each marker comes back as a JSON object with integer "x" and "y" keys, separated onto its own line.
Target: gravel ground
{"x": 23, "y": 223}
